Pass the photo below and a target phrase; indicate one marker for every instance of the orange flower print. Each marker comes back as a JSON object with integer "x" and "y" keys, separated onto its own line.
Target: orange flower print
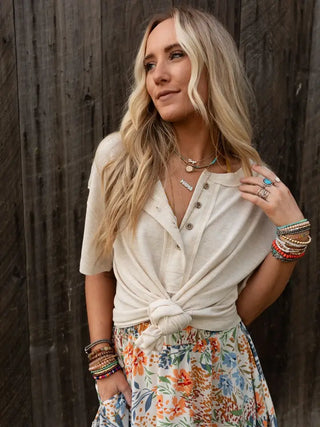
{"x": 159, "y": 407}
{"x": 177, "y": 409}
{"x": 127, "y": 356}
{"x": 138, "y": 363}
{"x": 260, "y": 404}
{"x": 200, "y": 346}
{"x": 215, "y": 344}
{"x": 215, "y": 347}
{"x": 128, "y": 352}
{"x": 181, "y": 381}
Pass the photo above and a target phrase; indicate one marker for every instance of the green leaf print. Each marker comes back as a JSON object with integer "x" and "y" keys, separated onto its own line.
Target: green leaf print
{"x": 237, "y": 412}
{"x": 164, "y": 379}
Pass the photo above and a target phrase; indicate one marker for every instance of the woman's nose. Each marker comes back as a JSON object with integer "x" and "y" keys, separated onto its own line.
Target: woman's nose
{"x": 161, "y": 73}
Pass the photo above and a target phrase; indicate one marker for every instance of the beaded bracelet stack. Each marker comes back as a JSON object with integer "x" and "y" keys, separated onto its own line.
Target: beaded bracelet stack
{"x": 103, "y": 362}
{"x": 287, "y": 248}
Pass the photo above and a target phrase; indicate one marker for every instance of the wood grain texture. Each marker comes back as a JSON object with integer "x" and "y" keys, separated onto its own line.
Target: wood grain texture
{"x": 15, "y": 385}
{"x": 59, "y": 74}
{"x": 275, "y": 44}
{"x": 301, "y": 405}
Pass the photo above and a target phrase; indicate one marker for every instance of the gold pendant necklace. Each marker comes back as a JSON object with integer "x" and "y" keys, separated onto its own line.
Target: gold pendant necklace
{"x": 191, "y": 165}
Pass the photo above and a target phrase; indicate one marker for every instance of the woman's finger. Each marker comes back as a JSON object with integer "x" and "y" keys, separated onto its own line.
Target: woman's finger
{"x": 262, "y": 181}
{"x": 124, "y": 388}
{"x": 256, "y": 189}
{"x": 255, "y": 199}
{"x": 267, "y": 173}
{"x": 127, "y": 394}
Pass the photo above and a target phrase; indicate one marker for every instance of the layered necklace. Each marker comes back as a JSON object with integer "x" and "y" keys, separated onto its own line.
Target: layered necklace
{"x": 193, "y": 165}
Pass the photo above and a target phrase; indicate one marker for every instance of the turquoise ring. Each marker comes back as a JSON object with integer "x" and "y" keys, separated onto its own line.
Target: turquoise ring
{"x": 267, "y": 182}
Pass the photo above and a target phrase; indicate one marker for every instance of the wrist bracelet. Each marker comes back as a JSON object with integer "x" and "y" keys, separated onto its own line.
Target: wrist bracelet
{"x": 293, "y": 223}
{"x": 286, "y": 255}
{"x": 294, "y": 228}
{"x": 89, "y": 346}
{"x": 100, "y": 377}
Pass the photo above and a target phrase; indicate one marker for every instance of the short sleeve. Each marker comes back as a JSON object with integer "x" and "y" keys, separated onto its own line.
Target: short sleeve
{"x": 90, "y": 261}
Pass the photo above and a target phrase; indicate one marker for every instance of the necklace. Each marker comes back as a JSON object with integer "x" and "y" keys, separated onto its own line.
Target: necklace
{"x": 186, "y": 184}
{"x": 194, "y": 162}
{"x": 191, "y": 165}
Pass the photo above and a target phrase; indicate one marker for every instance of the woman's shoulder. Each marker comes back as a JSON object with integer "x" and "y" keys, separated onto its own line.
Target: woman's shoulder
{"x": 108, "y": 149}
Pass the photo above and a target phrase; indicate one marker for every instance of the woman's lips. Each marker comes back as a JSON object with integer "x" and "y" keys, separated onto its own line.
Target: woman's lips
{"x": 166, "y": 94}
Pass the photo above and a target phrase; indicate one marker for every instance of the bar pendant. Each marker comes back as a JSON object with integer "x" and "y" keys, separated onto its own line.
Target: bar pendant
{"x": 186, "y": 185}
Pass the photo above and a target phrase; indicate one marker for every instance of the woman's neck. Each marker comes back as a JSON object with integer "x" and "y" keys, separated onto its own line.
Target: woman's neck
{"x": 194, "y": 140}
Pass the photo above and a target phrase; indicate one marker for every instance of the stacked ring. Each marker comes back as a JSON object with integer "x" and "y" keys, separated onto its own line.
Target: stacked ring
{"x": 263, "y": 193}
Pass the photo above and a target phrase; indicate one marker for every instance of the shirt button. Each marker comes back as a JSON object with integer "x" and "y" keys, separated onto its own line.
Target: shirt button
{"x": 189, "y": 226}
{"x": 206, "y": 186}
{"x": 197, "y": 205}
{"x": 178, "y": 247}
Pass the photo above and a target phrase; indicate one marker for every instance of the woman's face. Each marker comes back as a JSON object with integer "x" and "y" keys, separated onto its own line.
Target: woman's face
{"x": 168, "y": 71}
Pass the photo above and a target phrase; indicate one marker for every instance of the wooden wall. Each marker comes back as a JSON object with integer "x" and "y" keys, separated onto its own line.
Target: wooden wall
{"x": 64, "y": 78}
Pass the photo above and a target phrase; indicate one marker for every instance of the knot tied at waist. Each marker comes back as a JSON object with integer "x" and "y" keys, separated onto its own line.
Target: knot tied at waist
{"x": 166, "y": 317}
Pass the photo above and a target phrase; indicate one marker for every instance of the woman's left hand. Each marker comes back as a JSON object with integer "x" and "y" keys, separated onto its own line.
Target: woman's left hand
{"x": 271, "y": 195}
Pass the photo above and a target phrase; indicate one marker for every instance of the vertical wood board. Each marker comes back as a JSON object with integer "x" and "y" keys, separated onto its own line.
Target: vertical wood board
{"x": 59, "y": 74}
{"x": 275, "y": 41}
{"x": 15, "y": 386}
{"x": 301, "y": 406}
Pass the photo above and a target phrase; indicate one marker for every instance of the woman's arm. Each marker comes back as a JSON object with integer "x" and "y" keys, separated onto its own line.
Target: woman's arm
{"x": 263, "y": 288}
{"x": 100, "y": 291}
{"x": 270, "y": 279}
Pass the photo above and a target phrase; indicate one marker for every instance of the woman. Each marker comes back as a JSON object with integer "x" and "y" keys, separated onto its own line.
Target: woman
{"x": 187, "y": 239}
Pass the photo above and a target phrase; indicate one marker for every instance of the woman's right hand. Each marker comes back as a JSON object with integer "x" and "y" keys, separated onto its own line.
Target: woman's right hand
{"x": 115, "y": 383}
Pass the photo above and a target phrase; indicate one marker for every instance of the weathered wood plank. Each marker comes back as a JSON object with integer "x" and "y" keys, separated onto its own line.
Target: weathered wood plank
{"x": 275, "y": 37}
{"x": 15, "y": 385}
{"x": 301, "y": 407}
{"x": 59, "y": 74}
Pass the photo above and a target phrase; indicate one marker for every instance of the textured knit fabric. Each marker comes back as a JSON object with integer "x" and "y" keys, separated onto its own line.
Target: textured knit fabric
{"x": 179, "y": 276}
{"x": 199, "y": 378}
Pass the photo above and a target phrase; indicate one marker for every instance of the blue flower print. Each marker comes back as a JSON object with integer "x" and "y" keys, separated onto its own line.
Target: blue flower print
{"x": 230, "y": 360}
{"x": 239, "y": 380}
{"x": 164, "y": 359}
{"x": 226, "y": 385}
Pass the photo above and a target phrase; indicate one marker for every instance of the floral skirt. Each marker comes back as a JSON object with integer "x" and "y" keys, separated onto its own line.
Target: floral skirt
{"x": 200, "y": 378}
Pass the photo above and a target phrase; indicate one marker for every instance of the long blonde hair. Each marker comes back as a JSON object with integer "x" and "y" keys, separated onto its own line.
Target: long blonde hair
{"x": 148, "y": 141}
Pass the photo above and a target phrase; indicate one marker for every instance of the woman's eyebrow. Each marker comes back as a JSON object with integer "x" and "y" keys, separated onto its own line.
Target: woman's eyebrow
{"x": 166, "y": 49}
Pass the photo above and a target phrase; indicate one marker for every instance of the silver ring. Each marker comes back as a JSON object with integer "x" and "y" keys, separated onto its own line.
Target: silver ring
{"x": 263, "y": 193}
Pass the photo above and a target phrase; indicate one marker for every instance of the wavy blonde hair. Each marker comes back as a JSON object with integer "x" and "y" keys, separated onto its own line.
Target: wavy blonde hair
{"x": 148, "y": 141}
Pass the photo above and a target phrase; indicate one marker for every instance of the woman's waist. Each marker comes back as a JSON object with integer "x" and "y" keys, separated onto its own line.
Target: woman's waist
{"x": 188, "y": 335}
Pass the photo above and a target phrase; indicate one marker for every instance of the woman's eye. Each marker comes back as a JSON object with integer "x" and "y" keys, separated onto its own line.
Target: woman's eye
{"x": 178, "y": 54}
{"x": 149, "y": 65}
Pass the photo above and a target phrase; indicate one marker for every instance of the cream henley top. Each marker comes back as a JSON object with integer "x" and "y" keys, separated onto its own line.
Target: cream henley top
{"x": 178, "y": 276}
